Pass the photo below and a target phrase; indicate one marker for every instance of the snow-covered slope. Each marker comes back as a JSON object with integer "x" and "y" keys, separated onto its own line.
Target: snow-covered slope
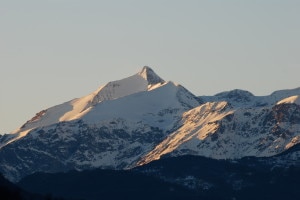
{"x": 157, "y": 107}
{"x": 75, "y": 109}
{"x": 235, "y": 128}
{"x": 138, "y": 119}
{"x": 293, "y": 99}
{"x": 145, "y": 80}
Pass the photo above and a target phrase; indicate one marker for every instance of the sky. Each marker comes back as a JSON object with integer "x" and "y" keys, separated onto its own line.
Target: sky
{"x": 52, "y": 51}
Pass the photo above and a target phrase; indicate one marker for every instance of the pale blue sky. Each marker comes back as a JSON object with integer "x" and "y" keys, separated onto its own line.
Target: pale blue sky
{"x": 52, "y": 51}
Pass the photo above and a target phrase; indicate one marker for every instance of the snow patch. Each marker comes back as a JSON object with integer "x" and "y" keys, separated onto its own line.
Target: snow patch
{"x": 293, "y": 99}
{"x": 15, "y": 136}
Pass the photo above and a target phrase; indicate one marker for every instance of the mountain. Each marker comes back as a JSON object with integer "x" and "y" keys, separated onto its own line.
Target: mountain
{"x": 234, "y": 125}
{"x": 184, "y": 177}
{"x": 145, "y": 80}
{"x": 112, "y": 127}
{"x": 142, "y": 118}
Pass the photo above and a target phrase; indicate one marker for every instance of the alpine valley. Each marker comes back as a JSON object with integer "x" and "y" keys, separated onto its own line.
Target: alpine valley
{"x": 143, "y": 127}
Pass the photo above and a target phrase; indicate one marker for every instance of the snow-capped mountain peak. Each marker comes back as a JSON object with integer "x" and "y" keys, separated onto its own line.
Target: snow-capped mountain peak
{"x": 130, "y": 97}
{"x": 112, "y": 127}
{"x": 148, "y": 74}
{"x": 142, "y": 81}
{"x": 237, "y": 95}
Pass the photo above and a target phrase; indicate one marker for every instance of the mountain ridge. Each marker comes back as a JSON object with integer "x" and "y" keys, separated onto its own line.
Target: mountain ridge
{"x": 141, "y": 118}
